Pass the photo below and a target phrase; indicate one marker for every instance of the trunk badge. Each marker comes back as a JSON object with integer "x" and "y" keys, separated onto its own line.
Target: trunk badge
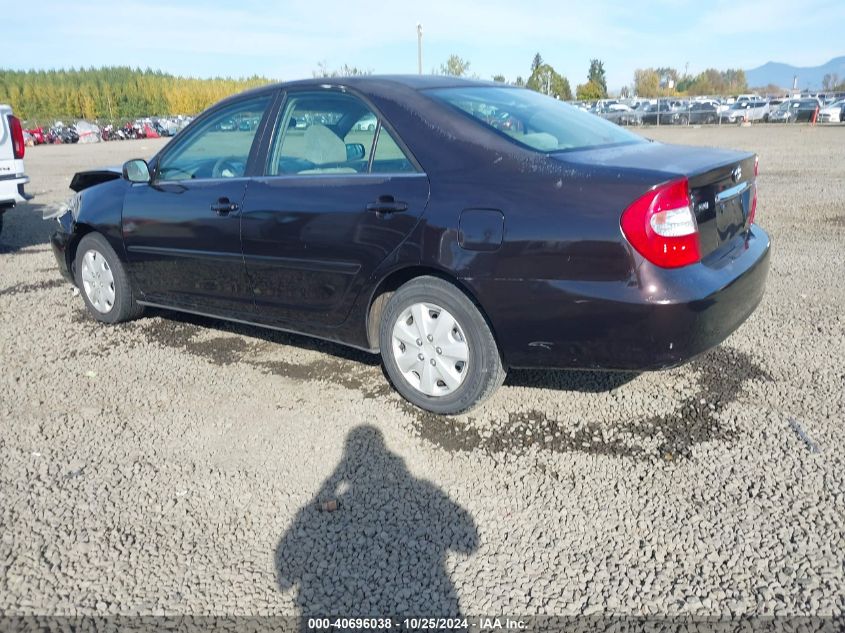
{"x": 736, "y": 174}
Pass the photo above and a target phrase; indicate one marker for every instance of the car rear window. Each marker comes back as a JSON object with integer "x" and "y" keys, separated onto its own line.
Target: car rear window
{"x": 534, "y": 120}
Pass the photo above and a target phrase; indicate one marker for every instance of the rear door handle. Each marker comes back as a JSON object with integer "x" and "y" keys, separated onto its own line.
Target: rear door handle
{"x": 386, "y": 204}
{"x": 224, "y": 207}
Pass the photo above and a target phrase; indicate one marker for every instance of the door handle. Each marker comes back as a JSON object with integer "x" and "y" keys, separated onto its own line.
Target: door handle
{"x": 224, "y": 207}
{"x": 386, "y": 204}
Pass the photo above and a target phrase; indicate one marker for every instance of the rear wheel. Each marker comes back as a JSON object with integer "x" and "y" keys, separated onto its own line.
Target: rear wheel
{"x": 103, "y": 282}
{"x": 437, "y": 348}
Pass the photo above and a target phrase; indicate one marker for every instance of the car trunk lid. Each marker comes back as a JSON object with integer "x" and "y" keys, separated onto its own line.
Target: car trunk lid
{"x": 722, "y": 199}
{"x": 721, "y": 181}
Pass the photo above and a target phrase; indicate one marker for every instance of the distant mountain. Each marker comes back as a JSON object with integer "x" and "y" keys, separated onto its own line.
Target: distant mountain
{"x": 782, "y": 74}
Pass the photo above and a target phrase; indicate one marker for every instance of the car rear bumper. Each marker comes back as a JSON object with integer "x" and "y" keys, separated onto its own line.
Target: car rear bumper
{"x": 13, "y": 191}
{"x": 657, "y": 319}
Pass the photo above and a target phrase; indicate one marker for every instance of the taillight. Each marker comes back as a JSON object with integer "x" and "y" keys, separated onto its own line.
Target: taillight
{"x": 753, "y": 211}
{"x": 661, "y": 226}
{"x": 18, "y": 146}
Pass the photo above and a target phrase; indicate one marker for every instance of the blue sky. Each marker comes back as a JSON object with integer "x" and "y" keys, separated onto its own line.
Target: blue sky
{"x": 287, "y": 40}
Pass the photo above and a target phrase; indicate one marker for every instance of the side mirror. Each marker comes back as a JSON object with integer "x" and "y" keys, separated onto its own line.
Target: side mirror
{"x": 355, "y": 151}
{"x": 136, "y": 170}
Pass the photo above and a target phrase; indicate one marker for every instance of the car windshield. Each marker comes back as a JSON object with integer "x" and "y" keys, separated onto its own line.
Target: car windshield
{"x": 534, "y": 120}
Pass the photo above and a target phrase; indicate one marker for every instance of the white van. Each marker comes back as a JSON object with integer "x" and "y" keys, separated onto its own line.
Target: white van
{"x": 12, "y": 149}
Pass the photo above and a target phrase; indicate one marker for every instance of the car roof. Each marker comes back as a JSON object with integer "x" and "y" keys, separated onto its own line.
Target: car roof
{"x": 417, "y": 82}
{"x": 365, "y": 82}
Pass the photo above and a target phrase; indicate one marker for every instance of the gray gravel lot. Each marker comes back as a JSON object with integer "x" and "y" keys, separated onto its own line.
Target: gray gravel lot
{"x": 175, "y": 464}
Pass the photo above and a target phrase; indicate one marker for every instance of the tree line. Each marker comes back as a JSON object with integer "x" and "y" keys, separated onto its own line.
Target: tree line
{"x": 111, "y": 93}
{"x": 665, "y": 82}
{"x": 647, "y": 82}
{"x": 123, "y": 93}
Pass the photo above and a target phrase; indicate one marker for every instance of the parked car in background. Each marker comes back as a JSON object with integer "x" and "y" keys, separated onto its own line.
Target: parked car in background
{"x": 650, "y": 113}
{"x": 700, "y": 112}
{"x": 161, "y": 129}
{"x": 435, "y": 249}
{"x": 747, "y": 110}
{"x": 366, "y": 124}
{"x": 795, "y": 110}
{"x": 832, "y": 113}
{"x": 38, "y": 135}
{"x": 618, "y": 113}
{"x": 13, "y": 177}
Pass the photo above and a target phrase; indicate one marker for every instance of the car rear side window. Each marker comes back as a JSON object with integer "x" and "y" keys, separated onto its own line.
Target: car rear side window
{"x": 534, "y": 120}
{"x": 388, "y": 157}
{"x": 219, "y": 147}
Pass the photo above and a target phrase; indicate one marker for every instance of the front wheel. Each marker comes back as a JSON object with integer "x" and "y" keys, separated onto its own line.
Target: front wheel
{"x": 102, "y": 281}
{"x": 437, "y": 348}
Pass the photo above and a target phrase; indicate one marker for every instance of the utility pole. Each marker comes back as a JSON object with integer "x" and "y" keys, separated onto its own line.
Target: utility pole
{"x": 419, "y": 48}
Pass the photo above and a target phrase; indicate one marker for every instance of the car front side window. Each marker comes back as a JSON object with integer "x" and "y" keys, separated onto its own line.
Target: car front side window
{"x": 220, "y": 147}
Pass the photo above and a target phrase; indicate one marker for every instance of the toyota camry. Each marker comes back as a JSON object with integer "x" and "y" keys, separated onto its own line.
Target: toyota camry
{"x": 458, "y": 228}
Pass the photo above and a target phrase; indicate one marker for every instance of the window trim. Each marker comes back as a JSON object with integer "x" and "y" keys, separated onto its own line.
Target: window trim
{"x": 202, "y": 119}
{"x": 272, "y": 130}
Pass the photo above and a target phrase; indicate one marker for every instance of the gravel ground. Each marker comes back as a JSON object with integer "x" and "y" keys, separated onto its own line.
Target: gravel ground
{"x": 177, "y": 465}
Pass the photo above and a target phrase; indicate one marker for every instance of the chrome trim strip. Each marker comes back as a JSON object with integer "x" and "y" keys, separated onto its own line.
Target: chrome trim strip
{"x": 733, "y": 191}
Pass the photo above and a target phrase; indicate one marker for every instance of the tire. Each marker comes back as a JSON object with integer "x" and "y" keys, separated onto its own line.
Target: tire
{"x": 2, "y": 211}
{"x": 470, "y": 337}
{"x": 103, "y": 282}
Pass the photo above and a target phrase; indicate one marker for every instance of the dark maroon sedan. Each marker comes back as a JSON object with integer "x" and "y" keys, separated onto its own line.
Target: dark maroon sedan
{"x": 454, "y": 245}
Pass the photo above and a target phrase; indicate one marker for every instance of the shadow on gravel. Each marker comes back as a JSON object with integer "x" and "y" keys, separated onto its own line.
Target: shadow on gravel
{"x": 23, "y": 227}
{"x": 36, "y": 286}
{"x": 721, "y": 376}
{"x": 341, "y": 365}
{"x": 177, "y": 328}
{"x": 382, "y": 548}
{"x": 569, "y": 380}
{"x": 722, "y": 373}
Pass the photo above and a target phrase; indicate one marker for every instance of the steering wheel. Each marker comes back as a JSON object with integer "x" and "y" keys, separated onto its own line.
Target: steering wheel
{"x": 227, "y": 167}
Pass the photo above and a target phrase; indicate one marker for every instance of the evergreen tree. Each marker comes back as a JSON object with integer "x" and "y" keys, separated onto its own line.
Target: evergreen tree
{"x": 597, "y": 77}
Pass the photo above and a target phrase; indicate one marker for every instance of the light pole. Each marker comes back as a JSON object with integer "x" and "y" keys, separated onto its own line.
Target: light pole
{"x": 419, "y": 48}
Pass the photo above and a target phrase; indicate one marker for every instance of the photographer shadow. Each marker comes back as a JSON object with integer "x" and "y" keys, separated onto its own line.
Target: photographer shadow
{"x": 382, "y": 551}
